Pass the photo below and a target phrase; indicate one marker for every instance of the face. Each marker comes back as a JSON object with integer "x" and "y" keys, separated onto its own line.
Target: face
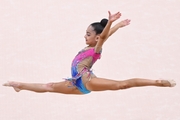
{"x": 91, "y": 37}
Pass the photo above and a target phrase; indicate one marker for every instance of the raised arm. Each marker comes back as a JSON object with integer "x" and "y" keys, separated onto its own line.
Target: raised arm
{"x": 105, "y": 33}
{"x": 121, "y": 24}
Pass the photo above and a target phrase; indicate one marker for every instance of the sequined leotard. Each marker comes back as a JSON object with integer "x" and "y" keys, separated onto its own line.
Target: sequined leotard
{"x": 79, "y": 68}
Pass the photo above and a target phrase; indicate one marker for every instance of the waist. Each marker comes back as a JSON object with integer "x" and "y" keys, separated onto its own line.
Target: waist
{"x": 77, "y": 72}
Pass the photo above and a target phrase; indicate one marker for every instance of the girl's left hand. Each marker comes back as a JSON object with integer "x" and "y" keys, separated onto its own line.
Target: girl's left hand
{"x": 124, "y": 22}
{"x": 114, "y": 17}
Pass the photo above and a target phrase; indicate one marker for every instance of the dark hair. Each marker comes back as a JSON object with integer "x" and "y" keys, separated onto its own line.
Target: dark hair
{"x": 99, "y": 26}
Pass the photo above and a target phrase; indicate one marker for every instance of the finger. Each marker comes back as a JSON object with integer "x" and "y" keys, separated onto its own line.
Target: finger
{"x": 109, "y": 13}
{"x": 117, "y": 14}
{"x": 129, "y": 21}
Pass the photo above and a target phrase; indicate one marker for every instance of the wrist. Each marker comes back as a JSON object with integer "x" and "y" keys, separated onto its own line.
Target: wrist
{"x": 121, "y": 25}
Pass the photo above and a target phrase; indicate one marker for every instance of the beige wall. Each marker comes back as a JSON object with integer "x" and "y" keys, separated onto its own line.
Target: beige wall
{"x": 39, "y": 38}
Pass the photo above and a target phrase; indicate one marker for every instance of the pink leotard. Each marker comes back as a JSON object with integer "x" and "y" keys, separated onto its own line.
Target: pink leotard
{"x": 85, "y": 54}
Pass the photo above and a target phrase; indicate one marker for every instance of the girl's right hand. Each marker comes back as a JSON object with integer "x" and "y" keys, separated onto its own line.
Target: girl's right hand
{"x": 114, "y": 17}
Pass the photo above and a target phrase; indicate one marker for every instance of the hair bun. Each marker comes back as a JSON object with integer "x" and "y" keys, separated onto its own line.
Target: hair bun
{"x": 104, "y": 22}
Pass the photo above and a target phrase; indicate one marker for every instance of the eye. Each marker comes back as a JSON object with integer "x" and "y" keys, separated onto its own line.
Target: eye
{"x": 88, "y": 34}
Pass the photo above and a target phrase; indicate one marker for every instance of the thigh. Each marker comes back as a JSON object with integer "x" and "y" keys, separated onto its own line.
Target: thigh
{"x": 62, "y": 87}
{"x": 101, "y": 84}
{"x": 87, "y": 76}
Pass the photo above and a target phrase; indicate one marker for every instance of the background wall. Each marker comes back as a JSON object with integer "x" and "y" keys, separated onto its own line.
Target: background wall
{"x": 39, "y": 38}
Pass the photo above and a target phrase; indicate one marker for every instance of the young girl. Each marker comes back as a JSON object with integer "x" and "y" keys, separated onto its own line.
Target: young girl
{"x": 83, "y": 81}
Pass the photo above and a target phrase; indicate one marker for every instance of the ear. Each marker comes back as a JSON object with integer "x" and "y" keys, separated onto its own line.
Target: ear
{"x": 97, "y": 37}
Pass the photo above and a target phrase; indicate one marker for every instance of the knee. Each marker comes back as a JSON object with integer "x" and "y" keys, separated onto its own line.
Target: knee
{"x": 123, "y": 85}
{"x": 49, "y": 87}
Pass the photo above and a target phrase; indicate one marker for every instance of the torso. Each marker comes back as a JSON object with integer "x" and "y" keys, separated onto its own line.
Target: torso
{"x": 85, "y": 59}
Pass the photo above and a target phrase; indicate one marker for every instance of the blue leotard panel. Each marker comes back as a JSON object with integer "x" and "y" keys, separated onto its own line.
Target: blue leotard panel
{"x": 79, "y": 83}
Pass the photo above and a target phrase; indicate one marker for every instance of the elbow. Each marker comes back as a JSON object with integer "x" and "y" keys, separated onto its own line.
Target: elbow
{"x": 103, "y": 37}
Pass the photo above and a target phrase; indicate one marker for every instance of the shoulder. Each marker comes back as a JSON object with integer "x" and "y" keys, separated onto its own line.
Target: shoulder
{"x": 98, "y": 49}
{"x": 93, "y": 49}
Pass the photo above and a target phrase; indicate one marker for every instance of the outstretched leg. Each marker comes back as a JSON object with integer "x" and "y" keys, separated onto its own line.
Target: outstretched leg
{"x": 59, "y": 87}
{"x": 101, "y": 84}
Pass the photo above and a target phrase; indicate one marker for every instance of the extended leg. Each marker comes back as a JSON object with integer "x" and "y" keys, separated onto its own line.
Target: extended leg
{"x": 59, "y": 87}
{"x": 100, "y": 84}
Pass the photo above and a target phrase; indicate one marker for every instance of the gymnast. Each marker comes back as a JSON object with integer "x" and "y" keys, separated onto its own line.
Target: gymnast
{"x": 83, "y": 80}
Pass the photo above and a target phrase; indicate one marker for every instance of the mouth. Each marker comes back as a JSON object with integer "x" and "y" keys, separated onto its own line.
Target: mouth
{"x": 86, "y": 41}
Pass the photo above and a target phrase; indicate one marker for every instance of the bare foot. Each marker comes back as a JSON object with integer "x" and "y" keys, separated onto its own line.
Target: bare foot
{"x": 15, "y": 85}
{"x": 167, "y": 83}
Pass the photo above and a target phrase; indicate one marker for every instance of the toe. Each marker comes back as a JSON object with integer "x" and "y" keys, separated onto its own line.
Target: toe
{"x": 172, "y": 83}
